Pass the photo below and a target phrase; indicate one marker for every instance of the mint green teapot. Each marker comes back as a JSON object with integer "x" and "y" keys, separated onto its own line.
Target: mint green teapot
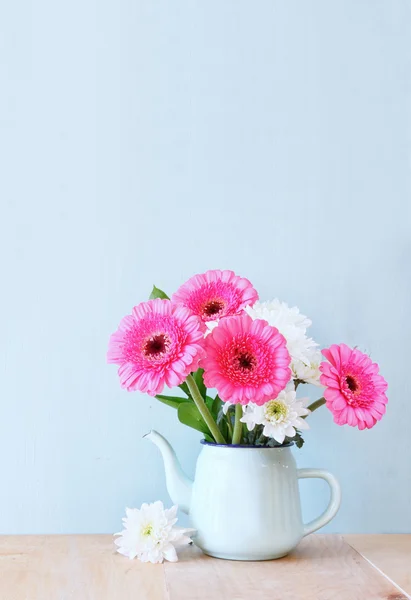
{"x": 245, "y": 500}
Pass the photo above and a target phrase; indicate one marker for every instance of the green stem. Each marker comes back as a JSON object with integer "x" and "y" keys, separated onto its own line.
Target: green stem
{"x": 316, "y": 404}
{"x": 229, "y": 424}
{"x": 238, "y": 426}
{"x": 203, "y": 410}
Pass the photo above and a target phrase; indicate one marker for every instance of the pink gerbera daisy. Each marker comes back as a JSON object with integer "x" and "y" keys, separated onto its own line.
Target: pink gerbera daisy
{"x": 355, "y": 391}
{"x": 159, "y": 343}
{"x": 246, "y": 360}
{"x": 216, "y": 294}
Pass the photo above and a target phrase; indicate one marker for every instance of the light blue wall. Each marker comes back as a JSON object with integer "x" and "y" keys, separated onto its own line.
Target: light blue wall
{"x": 146, "y": 141}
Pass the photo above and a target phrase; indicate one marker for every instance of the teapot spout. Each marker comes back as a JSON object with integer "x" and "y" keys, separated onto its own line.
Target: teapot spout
{"x": 179, "y": 486}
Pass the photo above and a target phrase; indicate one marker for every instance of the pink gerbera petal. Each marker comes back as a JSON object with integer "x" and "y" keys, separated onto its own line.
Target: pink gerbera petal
{"x": 245, "y": 364}
{"x": 159, "y": 344}
{"x": 216, "y": 294}
{"x": 355, "y": 391}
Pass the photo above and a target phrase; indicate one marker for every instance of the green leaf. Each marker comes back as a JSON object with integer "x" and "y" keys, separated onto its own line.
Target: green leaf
{"x": 224, "y": 429}
{"x": 198, "y": 378}
{"x": 216, "y": 409}
{"x": 216, "y": 406}
{"x": 209, "y": 402}
{"x": 298, "y": 440}
{"x": 183, "y": 386}
{"x": 208, "y": 438}
{"x": 173, "y": 401}
{"x": 157, "y": 293}
{"x": 221, "y": 416}
{"x": 188, "y": 415}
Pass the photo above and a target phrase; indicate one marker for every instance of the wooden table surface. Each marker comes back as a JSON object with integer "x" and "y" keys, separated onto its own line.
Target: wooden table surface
{"x": 323, "y": 567}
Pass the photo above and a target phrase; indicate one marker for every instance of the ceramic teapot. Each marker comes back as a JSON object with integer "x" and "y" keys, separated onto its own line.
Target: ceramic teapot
{"x": 245, "y": 500}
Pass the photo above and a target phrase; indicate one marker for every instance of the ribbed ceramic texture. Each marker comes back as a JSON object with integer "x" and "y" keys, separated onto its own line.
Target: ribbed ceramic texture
{"x": 245, "y": 502}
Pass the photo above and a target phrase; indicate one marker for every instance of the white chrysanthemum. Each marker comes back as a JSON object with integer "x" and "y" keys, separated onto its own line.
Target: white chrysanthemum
{"x": 210, "y": 325}
{"x": 149, "y": 533}
{"x": 280, "y": 417}
{"x": 308, "y": 370}
{"x": 292, "y": 324}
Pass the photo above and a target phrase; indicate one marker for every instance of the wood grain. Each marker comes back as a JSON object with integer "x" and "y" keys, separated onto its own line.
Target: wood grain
{"x": 74, "y": 567}
{"x": 323, "y": 567}
{"x": 391, "y": 553}
{"x": 86, "y": 567}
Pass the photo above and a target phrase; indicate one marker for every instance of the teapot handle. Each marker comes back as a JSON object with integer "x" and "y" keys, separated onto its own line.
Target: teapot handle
{"x": 335, "y": 498}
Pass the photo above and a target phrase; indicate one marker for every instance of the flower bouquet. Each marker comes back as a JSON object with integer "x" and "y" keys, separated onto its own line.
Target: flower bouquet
{"x": 214, "y": 333}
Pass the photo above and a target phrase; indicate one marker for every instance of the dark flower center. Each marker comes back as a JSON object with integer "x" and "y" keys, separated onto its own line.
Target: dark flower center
{"x": 246, "y": 361}
{"x": 213, "y": 307}
{"x": 352, "y": 383}
{"x": 156, "y": 345}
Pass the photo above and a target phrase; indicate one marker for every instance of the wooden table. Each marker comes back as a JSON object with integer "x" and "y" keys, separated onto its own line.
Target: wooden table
{"x": 323, "y": 567}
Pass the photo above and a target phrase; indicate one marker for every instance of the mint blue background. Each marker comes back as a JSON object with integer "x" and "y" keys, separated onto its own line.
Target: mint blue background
{"x": 142, "y": 142}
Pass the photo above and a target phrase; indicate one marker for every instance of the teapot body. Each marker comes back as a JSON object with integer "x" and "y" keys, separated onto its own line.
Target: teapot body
{"x": 245, "y": 502}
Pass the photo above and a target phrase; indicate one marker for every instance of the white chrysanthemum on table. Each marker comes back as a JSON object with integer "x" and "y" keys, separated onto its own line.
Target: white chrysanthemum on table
{"x": 293, "y": 326}
{"x": 280, "y": 417}
{"x": 149, "y": 534}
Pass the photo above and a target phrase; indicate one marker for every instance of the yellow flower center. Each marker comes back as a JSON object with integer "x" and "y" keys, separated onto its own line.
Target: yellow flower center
{"x": 148, "y": 530}
{"x": 275, "y": 410}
